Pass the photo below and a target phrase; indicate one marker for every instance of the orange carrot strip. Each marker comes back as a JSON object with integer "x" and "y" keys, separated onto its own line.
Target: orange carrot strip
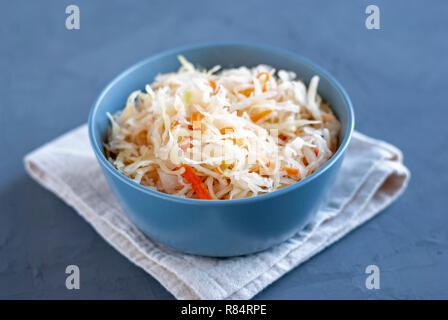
{"x": 264, "y": 74}
{"x": 283, "y": 137}
{"x": 291, "y": 171}
{"x": 247, "y": 91}
{"x": 260, "y": 115}
{"x": 228, "y": 129}
{"x": 326, "y": 117}
{"x": 196, "y": 183}
{"x": 266, "y": 79}
{"x": 305, "y": 161}
{"x": 140, "y": 138}
{"x": 316, "y": 152}
{"x": 256, "y": 170}
{"x": 266, "y": 171}
{"x": 196, "y": 117}
{"x": 214, "y": 86}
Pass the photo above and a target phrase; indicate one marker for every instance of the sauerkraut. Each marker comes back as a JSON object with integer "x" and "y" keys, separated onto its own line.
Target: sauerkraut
{"x": 222, "y": 134}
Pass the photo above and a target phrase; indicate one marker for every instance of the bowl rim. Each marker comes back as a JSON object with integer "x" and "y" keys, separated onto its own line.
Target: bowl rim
{"x": 182, "y": 49}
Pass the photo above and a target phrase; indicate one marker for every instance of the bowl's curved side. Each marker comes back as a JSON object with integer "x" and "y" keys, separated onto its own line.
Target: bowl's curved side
{"x": 220, "y": 228}
{"x": 218, "y": 231}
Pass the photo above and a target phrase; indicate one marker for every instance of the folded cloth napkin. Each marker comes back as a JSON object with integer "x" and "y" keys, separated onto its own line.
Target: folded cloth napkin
{"x": 371, "y": 177}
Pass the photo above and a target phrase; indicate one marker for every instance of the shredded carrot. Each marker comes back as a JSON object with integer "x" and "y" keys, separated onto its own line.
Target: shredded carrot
{"x": 247, "y": 91}
{"x": 224, "y": 165}
{"x": 266, "y": 79}
{"x": 263, "y": 74}
{"x": 196, "y": 117}
{"x": 260, "y": 115}
{"x": 283, "y": 137}
{"x": 217, "y": 170}
{"x": 226, "y": 130}
{"x": 256, "y": 170}
{"x": 316, "y": 152}
{"x": 214, "y": 86}
{"x": 239, "y": 141}
{"x": 291, "y": 171}
{"x": 305, "y": 161}
{"x": 140, "y": 138}
{"x": 174, "y": 123}
{"x": 326, "y": 117}
{"x": 196, "y": 183}
{"x": 263, "y": 171}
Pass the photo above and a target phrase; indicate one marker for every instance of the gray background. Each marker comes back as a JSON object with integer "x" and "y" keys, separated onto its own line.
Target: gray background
{"x": 396, "y": 78}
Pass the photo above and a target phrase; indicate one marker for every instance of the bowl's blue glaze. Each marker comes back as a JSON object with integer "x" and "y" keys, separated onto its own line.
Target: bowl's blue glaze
{"x": 226, "y": 227}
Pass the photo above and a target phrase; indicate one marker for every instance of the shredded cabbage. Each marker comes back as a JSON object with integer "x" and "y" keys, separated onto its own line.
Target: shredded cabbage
{"x": 243, "y": 132}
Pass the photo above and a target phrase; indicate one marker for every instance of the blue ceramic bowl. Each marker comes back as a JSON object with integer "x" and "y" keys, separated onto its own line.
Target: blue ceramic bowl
{"x": 220, "y": 228}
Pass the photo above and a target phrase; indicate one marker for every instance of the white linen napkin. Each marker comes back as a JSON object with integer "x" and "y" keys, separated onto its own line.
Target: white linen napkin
{"x": 371, "y": 177}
